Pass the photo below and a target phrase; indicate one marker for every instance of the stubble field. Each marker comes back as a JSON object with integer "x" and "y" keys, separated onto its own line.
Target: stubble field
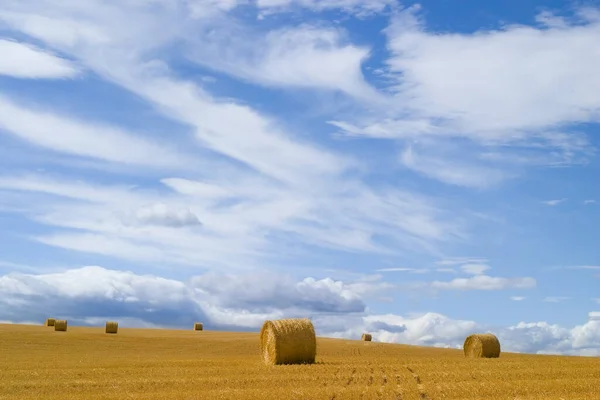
{"x": 85, "y": 363}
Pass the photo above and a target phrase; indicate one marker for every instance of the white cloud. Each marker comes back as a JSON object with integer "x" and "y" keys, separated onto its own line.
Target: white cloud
{"x": 554, "y": 202}
{"x": 556, "y": 299}
{"x": 484, "y": 282}
{"x": 475, "y": 269}
{"x": 360, "y": 8}
{"x": 498, "y": 80}
{"x": 93, "y": 292}
{"x": 411, "y": 270}
{"x": 461, "y": 260}
{"x": 586, "y": 202}
{"x": 395, "y": 269}
{"x": 496, "y": 97}
{"x": 244, "y": 222}
{"x": 75, "y": 137}
{"x": 279, "y": 188}
{"x": 22, "y": 60}
{"x": 441, "y": 167}
{"x": 161, "y": 214}
{"x": 585, "y": 267}
{"x": 90, "y": 295}
{"x": 291, "y": 57}
{"x": 517, "y": 298}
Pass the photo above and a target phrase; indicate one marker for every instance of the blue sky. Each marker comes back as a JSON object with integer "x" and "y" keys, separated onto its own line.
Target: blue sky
{"x": 419, "y": 170}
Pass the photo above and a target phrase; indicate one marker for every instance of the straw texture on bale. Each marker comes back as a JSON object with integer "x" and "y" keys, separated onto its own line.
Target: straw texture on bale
{"x": 483, "y": 345}
{"x": 60, "y": 325}
{"x": 198, "y": 326}
{"x": 112, "y": 327}
{"x": 366, "y": 337}
{"x": 50, "y": 322}
{"x": 288, "y": 341}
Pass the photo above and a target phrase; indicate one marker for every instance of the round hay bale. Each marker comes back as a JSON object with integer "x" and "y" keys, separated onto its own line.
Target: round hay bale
{"x": 50, "y": 322}
{"x": 366, "y": 337}
{"x": 112, "y": 327}
{"x": 482, "y": 345}
{"x": 198, "y": 326}
{"x": 60, "y": 325}
{"x": 288, "y": 341}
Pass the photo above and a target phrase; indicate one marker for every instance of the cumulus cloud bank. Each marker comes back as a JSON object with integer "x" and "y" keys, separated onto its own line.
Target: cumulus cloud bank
{"x": 90, "y": 295}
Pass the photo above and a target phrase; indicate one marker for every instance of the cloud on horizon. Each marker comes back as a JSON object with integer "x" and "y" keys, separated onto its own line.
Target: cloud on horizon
{"x": 90, "y": 295}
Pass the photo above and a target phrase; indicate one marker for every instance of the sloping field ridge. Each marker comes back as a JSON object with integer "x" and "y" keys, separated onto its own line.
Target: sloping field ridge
{"x": 85, "y": 363}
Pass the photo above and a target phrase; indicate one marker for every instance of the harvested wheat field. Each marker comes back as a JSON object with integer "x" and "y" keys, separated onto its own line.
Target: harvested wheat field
{"x": 85, "y": 363}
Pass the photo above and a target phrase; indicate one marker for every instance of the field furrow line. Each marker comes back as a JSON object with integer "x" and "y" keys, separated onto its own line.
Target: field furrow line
{"x": 399, "y": 391}
{"x": 420, "y": 387}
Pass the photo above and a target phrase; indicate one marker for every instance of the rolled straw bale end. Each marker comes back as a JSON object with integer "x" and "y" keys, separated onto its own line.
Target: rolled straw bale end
{"x": 366, "y": 337}
{"x": 112, "y": 327}
{"x": 482, "y": 345}
{"x": 288, "y": 341}
{"x": 198, "y": 326}
{"x": 50, "y": 322}
{"x": 60, "y": 325}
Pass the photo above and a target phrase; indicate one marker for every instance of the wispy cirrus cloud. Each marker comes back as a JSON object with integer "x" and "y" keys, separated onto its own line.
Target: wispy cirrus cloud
{"x": 452, "y": 261}
{"x": 475, "y": 269}
{"x": 410, "y": 270}
{"x": 360, "y": 8}
{"x": 22, "y": 60}
{"x": 300, "y": 57}
{"x": 484, "y": 282}
{"x": 76, "y": 137}
{"x": 581, "y": 267}
{"x": 234, "y": 216}
{"x": 267, "y": 186}
{"x": 554, "y": 202}
{"x": 506, "y": 131}
{"x": 556, "y": 299}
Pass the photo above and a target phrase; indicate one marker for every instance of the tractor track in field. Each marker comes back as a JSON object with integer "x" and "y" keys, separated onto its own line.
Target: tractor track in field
{"x": 338, "y": 394}
{"x": 420, "y": 387}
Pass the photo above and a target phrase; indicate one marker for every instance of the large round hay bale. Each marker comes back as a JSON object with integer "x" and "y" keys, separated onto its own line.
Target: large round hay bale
{"x": 288, "y": 341}
{"x": 198, "y": 326}
{"x": 60, "y": 325}
{"x": 49, "y": 322}
{"x": 112, "y": 327}
{"x": 482, "y": 345}
{"x": 366, "y": 337}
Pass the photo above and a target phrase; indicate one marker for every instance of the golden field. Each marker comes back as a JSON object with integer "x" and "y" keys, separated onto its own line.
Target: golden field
{"x": 85, "y": 363}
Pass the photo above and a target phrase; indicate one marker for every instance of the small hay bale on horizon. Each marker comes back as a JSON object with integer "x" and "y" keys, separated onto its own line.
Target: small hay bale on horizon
{"x": 50, "y": 322}
{"x": 198, "y": 326}
{"x": 112, "y": 327}
{"x": 482, "y": 345}
{"x": 366, "y": 337}
{"x": 288, "y": 341}
{"x": 60, "y": 325}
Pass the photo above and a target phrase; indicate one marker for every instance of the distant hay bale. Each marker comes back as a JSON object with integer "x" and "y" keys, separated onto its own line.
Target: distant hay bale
{"x": 198, "y": 326}
{"x": 366, "y": 337}
{"x": 288, "y": 341}
{"x": 112, "y": 327}
{"x": 50, "y": 322}
{"x": 483, "y": 345}
{"x": 60, "y": 325}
